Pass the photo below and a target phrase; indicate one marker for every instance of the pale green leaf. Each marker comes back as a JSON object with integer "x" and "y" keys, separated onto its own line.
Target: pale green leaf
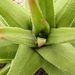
{"x": 48, "y": 11}
{"x": 27, "y": 62}
{"x": 54, "y": 1}
{"x": 59, "y": 5}
{"x": 14, "y": 14}
{"x": 61, "y": 35}
{"x": 66, "y": 15}
{"x": 27, "y": 5}
{"x": 60, "y": 55}
{"x": 1, "y": 24}
{"x": 38, "y": 21}
{"x": 17, "y": 35}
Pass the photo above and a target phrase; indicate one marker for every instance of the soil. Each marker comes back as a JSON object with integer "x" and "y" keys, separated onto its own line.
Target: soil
{"x": 41, "y": 72}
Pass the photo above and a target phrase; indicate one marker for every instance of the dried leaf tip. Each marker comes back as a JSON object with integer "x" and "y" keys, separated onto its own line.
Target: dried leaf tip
{"x": 41, "y": 41}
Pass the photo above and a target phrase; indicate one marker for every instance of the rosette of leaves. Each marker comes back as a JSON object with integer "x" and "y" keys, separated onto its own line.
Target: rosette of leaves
{"x": 39, "y": 35}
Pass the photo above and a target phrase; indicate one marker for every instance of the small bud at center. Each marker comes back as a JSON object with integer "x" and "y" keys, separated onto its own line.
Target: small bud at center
{"x": 41, "y": 41}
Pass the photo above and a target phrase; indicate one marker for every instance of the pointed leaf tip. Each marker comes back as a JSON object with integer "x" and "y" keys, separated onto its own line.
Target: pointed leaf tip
{"x": 39, "y": 23}
{"x": 47, "y": 9}
{"x": 47, "y": 27}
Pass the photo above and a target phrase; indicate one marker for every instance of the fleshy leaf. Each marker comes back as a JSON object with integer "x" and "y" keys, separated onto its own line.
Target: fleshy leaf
{"x": 39, "y": 23}
{"x": 59, "y": 5}
{"x": 5, "y": 69}
{"x": 24, "y": 61}
{"x": 53, "y": 70}
{"x": 61, "y": 35}
{"x": 5, "y": 60}
{"x": 27, "y": 62}
{"x": 73, "y": 43}
{"x": 5, "y": 43}
{"x": 54, "y": 1}
{"x": 66, "y": 15}
{"x": 60, "y": 55}
{"x": 17, "y": 35}
{"x": 8, "y": 52}
{"x": 48, "y": 11}
{"x": 73, "y": 23}
{"x": 14, "y": 14}
{"x": 27, "y": 5}
{"x": 3, "y": 23}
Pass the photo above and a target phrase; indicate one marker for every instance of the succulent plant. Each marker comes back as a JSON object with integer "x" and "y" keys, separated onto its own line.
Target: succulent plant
{"x": 37, "y": 38}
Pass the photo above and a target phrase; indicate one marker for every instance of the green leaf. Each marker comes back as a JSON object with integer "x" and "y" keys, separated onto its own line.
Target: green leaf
{"x": 61, "y": 35}
{"x": 3, "y": 23}
{"x": 73, "y": 43}
{"x": 54, "y": 1}
{"x": 7, "y": 53}
{"x": 53, "y": 70}
{"x": 73, "y": 23}
{"x": 24, "y": 61}
{"x": 5, "y": 43}
{"x": 27, "y": 62}
{"x": 6, "y": 60}
{"x": 66, "y": 15}
{"x": 17, "y": 35}
{"x": 59, "y": 5}
{"x": 39, "y": 23}
{"x": 14, "y": 14}
{"x": 60, "y": 55}
{"x": 27, "y": 5}
{"x": 48, "y": 11}
{"x": 5, "y": 69}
